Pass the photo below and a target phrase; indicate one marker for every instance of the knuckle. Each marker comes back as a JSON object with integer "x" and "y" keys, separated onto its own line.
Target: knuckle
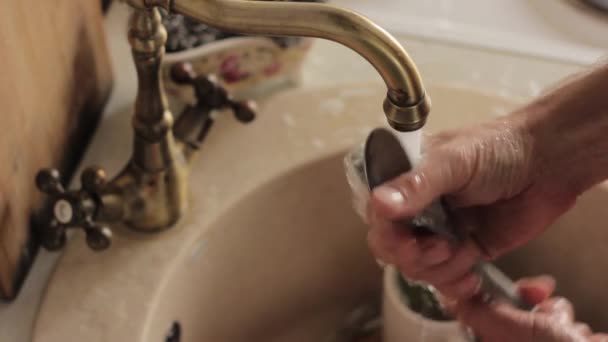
{"x": 382, "y": 254}
{"x": 447, "y": 291}
{"x": 465, "y": 259}
{"x": 469, "y": 286}
{"x": 376, "y": 246}
{"x": 560, "y": 309}
{"x": 409, "y": 183}
{"x": 463, "y": 289}
{"x": 539, "y": 327}
{"x": 583, "y": 329}
{"x": 562, "y": 304}
{"x": 599, "y": 338}
{"x": 426, "y": 276}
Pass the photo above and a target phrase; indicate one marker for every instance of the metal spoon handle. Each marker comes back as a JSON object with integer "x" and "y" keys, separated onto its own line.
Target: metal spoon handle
{"x": 495, "y": 284}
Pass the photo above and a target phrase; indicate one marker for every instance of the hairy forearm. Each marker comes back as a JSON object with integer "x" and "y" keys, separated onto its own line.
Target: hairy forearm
{"x": 568, "y": 128}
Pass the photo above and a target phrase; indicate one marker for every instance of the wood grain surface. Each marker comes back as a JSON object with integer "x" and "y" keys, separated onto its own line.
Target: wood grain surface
{"x": 54, "y": 79}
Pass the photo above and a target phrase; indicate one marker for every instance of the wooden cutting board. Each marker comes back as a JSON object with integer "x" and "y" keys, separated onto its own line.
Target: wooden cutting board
{"x": 54, "y": 79}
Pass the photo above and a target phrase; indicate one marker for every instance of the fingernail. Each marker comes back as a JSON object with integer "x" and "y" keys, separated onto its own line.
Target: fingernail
{"x": 390, "y": 197}
{"x": 541, "y": 279}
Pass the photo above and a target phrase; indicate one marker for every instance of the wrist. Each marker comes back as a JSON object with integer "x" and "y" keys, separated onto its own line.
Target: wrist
{"x": 568, "y": 132}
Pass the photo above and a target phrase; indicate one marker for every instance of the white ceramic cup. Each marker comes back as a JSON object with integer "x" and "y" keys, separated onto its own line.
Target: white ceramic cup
{"x": 401, "y": 324}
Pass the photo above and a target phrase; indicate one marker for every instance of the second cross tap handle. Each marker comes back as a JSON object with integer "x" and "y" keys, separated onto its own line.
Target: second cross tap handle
{"x": 209, "y": 92}
{"x": 73, "y": 209}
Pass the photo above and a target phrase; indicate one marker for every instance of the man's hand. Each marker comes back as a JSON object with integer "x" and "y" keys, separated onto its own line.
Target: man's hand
{"x": 507, "y": 180}
{"x": 551, "y": 321}
{"x": 487, "y": 175}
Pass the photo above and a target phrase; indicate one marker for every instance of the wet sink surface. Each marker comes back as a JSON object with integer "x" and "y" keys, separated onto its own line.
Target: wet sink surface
{"x": 271, "y": 249}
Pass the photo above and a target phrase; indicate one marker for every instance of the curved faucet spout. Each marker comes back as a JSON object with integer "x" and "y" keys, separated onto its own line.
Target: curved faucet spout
{"x": 406, "y": 105}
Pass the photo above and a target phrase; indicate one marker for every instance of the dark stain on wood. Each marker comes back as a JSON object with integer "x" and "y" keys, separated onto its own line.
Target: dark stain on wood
{"x": 57, "y": 79}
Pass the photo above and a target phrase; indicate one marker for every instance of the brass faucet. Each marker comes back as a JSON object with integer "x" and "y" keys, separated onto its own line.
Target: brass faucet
{"x": 150, "y": 193}
{"x": 406, "y": 105}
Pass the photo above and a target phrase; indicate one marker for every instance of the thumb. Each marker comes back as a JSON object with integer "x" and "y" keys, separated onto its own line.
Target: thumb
{"x": 410, "y": 193}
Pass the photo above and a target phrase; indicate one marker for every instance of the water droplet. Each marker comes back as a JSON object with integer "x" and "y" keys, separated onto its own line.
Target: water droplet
{"x": 318, "y": 143}
{"x": 288, "y": 120}
{"x": 333, "y": 107}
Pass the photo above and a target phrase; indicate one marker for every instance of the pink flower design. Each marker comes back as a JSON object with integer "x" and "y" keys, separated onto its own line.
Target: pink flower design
{"x": 273, "y": 68}
{"x": 230, "y": 70}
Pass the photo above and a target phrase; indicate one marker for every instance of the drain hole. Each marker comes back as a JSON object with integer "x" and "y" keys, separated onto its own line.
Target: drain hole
{"x": 175, "y": 333}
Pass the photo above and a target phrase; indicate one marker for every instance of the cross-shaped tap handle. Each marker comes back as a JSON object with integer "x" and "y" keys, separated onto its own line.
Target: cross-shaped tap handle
{"x": 73, "y": 209}
{"x": 211, "y": 93}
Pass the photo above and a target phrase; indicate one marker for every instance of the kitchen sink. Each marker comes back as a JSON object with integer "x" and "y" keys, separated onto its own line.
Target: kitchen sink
{"x": 271, "y": 249}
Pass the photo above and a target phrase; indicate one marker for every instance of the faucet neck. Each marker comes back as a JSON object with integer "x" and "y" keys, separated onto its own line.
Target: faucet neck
{"x": 406, "y": 106}
{"x": 152, "y": 121}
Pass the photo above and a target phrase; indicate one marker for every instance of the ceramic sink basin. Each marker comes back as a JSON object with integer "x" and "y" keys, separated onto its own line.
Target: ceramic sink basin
{"x": 271, "y": 249}
{"x": 292, "y": 263}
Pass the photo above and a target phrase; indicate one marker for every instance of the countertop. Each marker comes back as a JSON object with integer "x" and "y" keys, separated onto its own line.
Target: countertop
{"x": 329, "y": 64}
{"x": 566, "y": 30}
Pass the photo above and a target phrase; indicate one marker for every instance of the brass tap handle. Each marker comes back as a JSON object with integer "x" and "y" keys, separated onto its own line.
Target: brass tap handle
{"x": 245, "y": 111}
{"x": 74, "y": 209}
{"x": 210, "y": 93}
